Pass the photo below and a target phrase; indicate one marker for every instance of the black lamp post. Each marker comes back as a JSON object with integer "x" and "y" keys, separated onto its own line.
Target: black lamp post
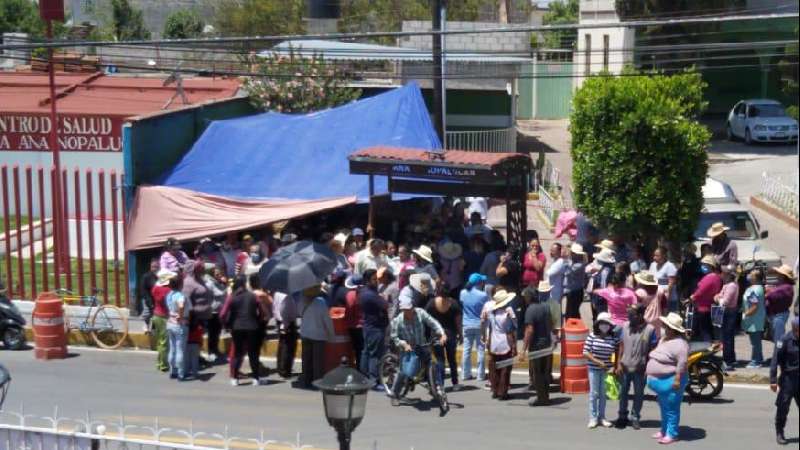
{"x": 344, "y": 393}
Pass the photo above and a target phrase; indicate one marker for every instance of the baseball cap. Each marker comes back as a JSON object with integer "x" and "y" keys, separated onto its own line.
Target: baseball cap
{"x": 357, "y": 232}
{"x": 476, "y": 278}
{"x": 406, "y": 302}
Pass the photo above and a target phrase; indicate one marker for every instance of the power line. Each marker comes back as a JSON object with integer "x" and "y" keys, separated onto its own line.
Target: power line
{"x": 339, "y": 36}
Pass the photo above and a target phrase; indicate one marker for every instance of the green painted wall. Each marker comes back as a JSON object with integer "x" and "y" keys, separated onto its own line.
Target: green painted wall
{"x": 553, "y": 84}
{"x": 525, "y": 89}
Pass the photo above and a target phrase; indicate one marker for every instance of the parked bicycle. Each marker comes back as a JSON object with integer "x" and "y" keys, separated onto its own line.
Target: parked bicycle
{"x": 426, "y": 376}
{"x": 99, "y": 319}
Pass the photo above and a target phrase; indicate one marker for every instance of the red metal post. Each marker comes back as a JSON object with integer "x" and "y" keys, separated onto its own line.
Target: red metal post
{"x": 7, "y": 229}
{"x": 101, "y": 183}
{"x": 18, "y": 212}
{"x": 43, "y": 218}
{"x": 79, "y": 232}
{"x": 115, "y": 234}
{"x": 64, "y": 248}
{"x": 57, "y": 242}
{"x": 124, "y": 237}
{"x": 90, "y": 221}
{"x": 31, "y": 240}
{"x": 59, "y": 206}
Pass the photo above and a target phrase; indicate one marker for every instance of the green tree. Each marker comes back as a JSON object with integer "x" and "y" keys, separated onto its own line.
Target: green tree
{"x": 183, "y": 24}
{"x": 639, "y": 153}
{"x": 128, "y": 22}
{"x": 258, "y": 17}
{"x": 789, "y": 75}
{"x": 292, "y": 84}
{"x": 20, "y": 16}
{"x": 561, "y": 12}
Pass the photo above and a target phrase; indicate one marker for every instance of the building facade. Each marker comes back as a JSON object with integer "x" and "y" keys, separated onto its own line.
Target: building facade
{"x": 604, "y": 49}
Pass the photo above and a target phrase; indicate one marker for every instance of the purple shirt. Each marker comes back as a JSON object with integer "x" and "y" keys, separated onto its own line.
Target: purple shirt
{"x": 779, "y": 298}
{"x": 668, "y": 358}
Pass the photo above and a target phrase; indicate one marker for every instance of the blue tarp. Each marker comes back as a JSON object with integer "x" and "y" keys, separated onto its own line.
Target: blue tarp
{"x": 284, "y": 156}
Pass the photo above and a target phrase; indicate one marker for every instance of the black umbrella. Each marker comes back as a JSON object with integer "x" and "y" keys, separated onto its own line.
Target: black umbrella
{"x": 297, "y": 266}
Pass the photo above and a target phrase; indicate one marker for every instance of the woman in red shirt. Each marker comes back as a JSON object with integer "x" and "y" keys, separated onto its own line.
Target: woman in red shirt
{"x": 533, "y": 264}
{"x": 160, "y": 316}
{"x": 703, "y": 297}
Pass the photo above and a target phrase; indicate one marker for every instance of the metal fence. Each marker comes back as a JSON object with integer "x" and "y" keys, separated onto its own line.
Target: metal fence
{"x": 87, "y": 252}
{"x": 21, "y": 431}
{"x": 500, "y": 140}
{"x": 780, "y": 194}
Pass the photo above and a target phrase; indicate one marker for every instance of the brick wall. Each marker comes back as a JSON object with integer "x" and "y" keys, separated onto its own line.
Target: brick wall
{"x": 499, "y": 42}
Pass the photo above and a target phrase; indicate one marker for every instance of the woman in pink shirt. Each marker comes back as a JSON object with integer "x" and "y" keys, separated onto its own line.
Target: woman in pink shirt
{"x": 618, "y": 298}
{"x": 703, "y": 297}
{"x": 533, "y": 264}
{"x": 728, "y": 298}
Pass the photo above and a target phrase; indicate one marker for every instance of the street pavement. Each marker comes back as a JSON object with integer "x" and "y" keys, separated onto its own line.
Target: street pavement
{"x": 110, "y": 383}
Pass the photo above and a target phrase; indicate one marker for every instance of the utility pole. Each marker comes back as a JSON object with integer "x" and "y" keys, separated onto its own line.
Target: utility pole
{"x": 439, "y": 93}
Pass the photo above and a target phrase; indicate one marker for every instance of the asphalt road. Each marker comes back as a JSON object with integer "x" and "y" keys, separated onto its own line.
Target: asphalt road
{"x": 110, "y": 383}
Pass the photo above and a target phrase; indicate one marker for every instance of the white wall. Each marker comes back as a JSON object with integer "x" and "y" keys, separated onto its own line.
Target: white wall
{"x": 620, "y": 44}
{"x": 96, "y": 229}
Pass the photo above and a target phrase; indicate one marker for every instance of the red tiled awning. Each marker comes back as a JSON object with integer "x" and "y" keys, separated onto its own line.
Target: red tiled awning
{"x": 462, "y": 158}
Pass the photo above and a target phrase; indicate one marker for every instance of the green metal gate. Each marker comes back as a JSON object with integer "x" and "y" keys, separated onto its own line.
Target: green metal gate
{"x": 552, "y": 86}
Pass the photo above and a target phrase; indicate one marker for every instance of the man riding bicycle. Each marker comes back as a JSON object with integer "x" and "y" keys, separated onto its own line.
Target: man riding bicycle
{"x": 408, "y": 336}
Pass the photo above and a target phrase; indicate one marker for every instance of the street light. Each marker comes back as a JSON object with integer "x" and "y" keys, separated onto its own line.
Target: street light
{"x": 344, "y": 394}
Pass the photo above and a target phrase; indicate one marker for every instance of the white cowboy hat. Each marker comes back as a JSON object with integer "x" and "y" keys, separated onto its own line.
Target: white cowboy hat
{"x": 544, "y": 286}
{"x": 450, "y": 250}
{"x": 502, "y": 298}
{"x": 604, "y": 317}
{"x": 646, "y": 278}
{"x": 418, "y": 279}
{"x": 785, "y": 270}
{"x": 577, "y": 249}
{"x": 716, "y": 229}
{"x": 709, "y": 260}
{"x": 674, "y": 321}
{"x": 606, "y": 256}
{"x": 341, "y": 238}
{"x": 607, "y": 244}
{"x": 424, "y": 252}
{"x": 164, "y": 276}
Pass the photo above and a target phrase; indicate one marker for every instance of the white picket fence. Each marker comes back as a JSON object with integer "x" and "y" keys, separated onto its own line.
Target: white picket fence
{"x": 500, "y": 140}
{"x": 780, "y": 194}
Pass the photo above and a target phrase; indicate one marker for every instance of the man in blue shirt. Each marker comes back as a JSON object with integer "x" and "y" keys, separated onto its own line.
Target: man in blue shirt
{"x": 473, "y": 297}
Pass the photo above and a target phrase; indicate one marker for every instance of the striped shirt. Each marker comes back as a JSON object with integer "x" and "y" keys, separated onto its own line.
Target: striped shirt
{"x": 601, "y": 348}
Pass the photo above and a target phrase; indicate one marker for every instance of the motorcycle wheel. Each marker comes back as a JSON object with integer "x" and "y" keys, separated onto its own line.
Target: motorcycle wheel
{"x": 14, "y": 339}
{"x": 705, "y": 381}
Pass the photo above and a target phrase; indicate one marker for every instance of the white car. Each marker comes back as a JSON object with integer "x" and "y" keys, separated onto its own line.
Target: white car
{"x": 760, "y": 121}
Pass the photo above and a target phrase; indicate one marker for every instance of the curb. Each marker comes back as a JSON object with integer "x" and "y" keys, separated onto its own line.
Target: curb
{"x": 774, "y": 212}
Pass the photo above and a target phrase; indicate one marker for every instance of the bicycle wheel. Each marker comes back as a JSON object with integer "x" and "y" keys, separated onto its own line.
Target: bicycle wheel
{"x": 437, "y": 390}
{"x": 104, "y": 334}
{"x": 387, "y": 372}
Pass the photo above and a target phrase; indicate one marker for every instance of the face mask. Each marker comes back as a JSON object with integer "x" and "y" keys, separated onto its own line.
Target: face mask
{"x": 604, "y": 328}
{"x": 704, "y": 269}
{"x": 255, "y": 258}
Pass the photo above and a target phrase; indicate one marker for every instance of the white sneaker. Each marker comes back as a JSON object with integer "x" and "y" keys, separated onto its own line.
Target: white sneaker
{"x": 259, "y": 381}
{"x": 607, "y": 423}
{"x": 234, "y": 382}
{"x": 592, "y": 424}
{"x": 457, "y": 387}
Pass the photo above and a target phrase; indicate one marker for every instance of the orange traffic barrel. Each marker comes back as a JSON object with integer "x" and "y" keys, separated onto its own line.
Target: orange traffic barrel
{"x": 49, "y": 334}
{"x": 339, "y": 346}
{"x": 574, "y": 371}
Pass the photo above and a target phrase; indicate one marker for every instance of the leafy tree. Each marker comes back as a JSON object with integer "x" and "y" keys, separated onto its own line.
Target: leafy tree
{"x": 20, "y": 16}
{"x": 183, "y": 24}
{"x": 292, "y": 84}
{"x": 258, "y": 17}
{"x": 128, "y": 22}
{"x": 639, "y": 153}
{"x": 789, "y": 75}
{"x": 561, "y": 12}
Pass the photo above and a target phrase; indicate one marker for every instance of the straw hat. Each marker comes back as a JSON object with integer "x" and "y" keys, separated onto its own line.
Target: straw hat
{"x": 418, "y": 279}
{"x": 164, "y": 276}
{"x": 604, "y": 317}
{"x": 709, "y": 260}
{"x": 607, "y": 244}
{"x": 785, "y": 270}
{"x": 674, "y": 321}
{"x": 544, "y": 287}
{"x": 716, "y": 229}
{"x": 646, "y": 278}
{"x": 606, "y": 256}
{"x": 577, "y": 249}
{"x": 502, "y": 298}
{"x": 424, "y": 252}
{"x": 450, "y": 250}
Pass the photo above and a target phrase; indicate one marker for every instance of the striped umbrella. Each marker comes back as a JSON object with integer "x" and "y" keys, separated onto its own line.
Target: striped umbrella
{"x": 297, "y": 266}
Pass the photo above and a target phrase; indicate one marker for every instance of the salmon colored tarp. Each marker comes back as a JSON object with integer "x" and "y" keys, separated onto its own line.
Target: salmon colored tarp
{"x": 160, "y": 212}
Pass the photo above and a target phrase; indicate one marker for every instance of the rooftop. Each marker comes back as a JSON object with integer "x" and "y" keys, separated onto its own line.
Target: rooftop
{"x": 28, "y": 92}
{"x": 461, "y": 158}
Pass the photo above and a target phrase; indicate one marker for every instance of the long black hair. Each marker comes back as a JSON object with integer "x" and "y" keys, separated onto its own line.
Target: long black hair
{"x": 239, "y": 283}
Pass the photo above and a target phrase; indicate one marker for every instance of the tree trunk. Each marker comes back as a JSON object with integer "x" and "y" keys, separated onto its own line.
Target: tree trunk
{"x": 502, "y": 11}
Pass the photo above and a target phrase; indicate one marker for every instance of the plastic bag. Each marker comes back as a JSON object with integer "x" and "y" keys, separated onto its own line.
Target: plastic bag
{"x": 612, "y": 387}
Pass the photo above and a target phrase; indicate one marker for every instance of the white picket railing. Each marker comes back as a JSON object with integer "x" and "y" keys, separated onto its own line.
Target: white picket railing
{"x": 780, "y": 194}
{"x": 500, "y": 140}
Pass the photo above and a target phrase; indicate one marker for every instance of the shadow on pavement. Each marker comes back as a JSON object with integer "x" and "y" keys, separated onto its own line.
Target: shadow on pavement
{"x": 689, "y": 434}
{"x": 713, "y": 401}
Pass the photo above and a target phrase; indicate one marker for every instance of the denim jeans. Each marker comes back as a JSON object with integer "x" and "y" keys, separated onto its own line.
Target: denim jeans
{"x": 191, "y": 360}
{"x": 778, "y": 322}
{"x": 729, "y": 329}
{"x": 669, "y": 402}
{"x": 472, "y": 338}
{"x": 638, "y": 380}
{"x": 757, "y": 356}
{"x": 373, "y": 351}
{"x": 177, "y": 335}
{"x": 597, "y": 394}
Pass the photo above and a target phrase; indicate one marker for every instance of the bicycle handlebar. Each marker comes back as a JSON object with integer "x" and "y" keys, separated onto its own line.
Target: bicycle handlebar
{"x": 63, "y": 291}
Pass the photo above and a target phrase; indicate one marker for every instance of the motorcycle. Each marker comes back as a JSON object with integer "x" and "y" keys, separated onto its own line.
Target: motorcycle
{"x": 12, "y": 325}
{"x": 706, "y": 371}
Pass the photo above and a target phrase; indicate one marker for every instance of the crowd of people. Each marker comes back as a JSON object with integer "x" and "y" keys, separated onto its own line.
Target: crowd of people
{"x": 452, "y": 278}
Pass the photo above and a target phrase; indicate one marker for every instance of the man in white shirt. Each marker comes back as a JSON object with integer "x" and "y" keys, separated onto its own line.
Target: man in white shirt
{"x": 555, "y": 276}
{"x": 371, "y": 257}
